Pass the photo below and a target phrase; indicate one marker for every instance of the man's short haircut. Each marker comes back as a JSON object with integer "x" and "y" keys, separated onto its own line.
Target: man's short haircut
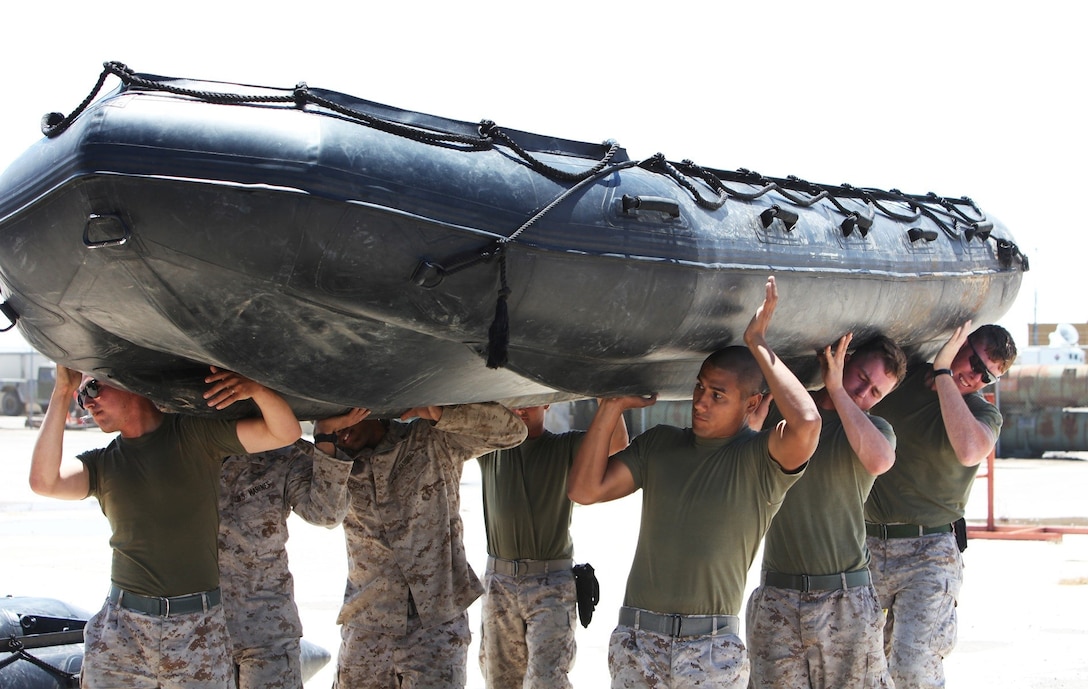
{"x": 741, "y": 362}
{"x": 882, "y": 346}
{"x": 996, "y": 342}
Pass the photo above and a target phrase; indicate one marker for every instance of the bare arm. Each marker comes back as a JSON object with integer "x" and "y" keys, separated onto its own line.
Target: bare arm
{"x": 277, "y": 425}
{"x": 50, "y": 473}
{"x": 620, "y": 439}
{"x": 873, "y": 449}
{"x": 971, "y": 439}
{"x": 593, "y": 476}
{"x": 794, "y": 440}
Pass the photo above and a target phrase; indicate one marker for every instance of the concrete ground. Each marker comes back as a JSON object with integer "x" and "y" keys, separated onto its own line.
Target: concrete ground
{"x": 1023, "y": 610}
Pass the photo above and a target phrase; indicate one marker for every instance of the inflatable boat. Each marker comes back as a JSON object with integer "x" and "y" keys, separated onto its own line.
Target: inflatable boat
{"x": 41, "y": 644}
{"x": 348, "y": 253}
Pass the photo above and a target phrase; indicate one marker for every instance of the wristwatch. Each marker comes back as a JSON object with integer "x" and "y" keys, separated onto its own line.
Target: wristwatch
{"x": 941, "y": 372}
{"x": 324, "y": 438}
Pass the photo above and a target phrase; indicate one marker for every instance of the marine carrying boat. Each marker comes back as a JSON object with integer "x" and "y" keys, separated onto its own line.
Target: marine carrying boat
{"x": 348, "y": 253}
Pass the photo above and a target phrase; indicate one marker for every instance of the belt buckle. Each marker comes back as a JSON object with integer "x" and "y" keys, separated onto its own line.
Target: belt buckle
{"x": 676, "y": 621}
{"x": 164, "y": 603}
{"x": 517, "y": 567}
{"x": 805, "y": 584}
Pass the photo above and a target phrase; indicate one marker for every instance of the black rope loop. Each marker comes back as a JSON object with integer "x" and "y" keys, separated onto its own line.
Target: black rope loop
{"x": 902, "y": 217}
{"x": 15, "y": 647}
{"x": 426, "y": 136}
{"x": 55, "y": 123}
{"x": 490, "y": 129}
{"x": 659, "y": 162}
{"x": 954, "y": 209}
{"x": 753, "y": 178}
{"x": 946, "y": 213}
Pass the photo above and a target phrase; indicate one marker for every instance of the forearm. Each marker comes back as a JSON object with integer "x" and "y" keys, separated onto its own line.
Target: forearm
{"x": 324, "y": 500}
{"x": 619, "y": 439}
{"x": 586, "y": 480}
{"x": 482, "y": 427}
{"x": 971, "y": 440}
{"x": 48, "y": 475}
{"x": 277, "y": 426}
{"x": 793, "y": 400}
{"x": 871, "y": 446}
{"x": 795, "y": 440}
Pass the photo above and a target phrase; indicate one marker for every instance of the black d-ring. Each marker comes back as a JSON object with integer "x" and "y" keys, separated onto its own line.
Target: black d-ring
{"x": 112, "y": 227}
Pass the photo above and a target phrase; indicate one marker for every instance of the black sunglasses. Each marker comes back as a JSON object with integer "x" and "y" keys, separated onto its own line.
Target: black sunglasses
{"x": 89, "y": 391}
{"x": 979, "y": 367}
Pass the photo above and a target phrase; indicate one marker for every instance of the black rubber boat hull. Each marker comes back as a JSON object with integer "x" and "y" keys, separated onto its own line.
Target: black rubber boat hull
{"x": 319, "y": 255}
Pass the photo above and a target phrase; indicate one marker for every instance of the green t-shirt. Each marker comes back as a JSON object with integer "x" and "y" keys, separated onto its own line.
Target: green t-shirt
{"x": 821, "y": 526}
{"x": 160, "y": 493}
{"x": 526, "y": 509}
{"x": 927, "y": 485}
{"x": 705, "y": 507}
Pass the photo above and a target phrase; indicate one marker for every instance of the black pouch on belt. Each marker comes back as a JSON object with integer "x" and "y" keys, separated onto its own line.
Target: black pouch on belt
{"x": 588, "y": 591}
{"x": 960, "y": 527}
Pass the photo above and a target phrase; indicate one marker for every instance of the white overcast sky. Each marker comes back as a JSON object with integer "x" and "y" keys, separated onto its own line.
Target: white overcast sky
{"x": 983, "y": 99}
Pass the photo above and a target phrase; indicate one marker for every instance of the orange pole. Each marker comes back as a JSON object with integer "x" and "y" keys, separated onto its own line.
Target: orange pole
{"x": 990, "y": 490}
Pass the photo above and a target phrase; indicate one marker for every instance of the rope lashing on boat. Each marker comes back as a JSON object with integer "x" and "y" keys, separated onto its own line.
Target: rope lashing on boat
{"x": 489, "y": 130}
{"x": 659, "y": 163}
{"x": 944, "y": 212}
{"x": 429, "y": 274}
{"x": 498, "y": 335}
{"x": 18, "y": 652}
{"x": 55, "y": 123}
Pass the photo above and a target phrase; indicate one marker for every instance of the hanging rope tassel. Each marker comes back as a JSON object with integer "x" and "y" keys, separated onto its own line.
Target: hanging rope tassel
{"x": 498, "y": 335}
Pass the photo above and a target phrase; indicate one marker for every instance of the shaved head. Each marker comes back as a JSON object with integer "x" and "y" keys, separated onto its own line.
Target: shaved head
{"x": 740, "y": 362}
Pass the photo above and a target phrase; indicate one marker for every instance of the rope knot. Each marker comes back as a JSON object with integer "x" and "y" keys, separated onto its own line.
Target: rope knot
{"x": 301, "y": 94}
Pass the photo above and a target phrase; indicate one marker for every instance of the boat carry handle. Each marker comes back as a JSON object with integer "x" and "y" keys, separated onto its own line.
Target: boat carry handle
{"x": 788, "y": 217}
{"x": 650, "y": 203}
{"x": 9, "y": 313}
{"x": 916, "y": 233}
{"x": 862, "y": 223}
{"x": 111, "y": 226}
{"x": 980, "y": 229}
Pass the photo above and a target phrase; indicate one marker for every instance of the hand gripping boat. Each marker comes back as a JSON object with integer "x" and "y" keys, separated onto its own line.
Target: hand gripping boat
{"x": 345, "y": 252}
